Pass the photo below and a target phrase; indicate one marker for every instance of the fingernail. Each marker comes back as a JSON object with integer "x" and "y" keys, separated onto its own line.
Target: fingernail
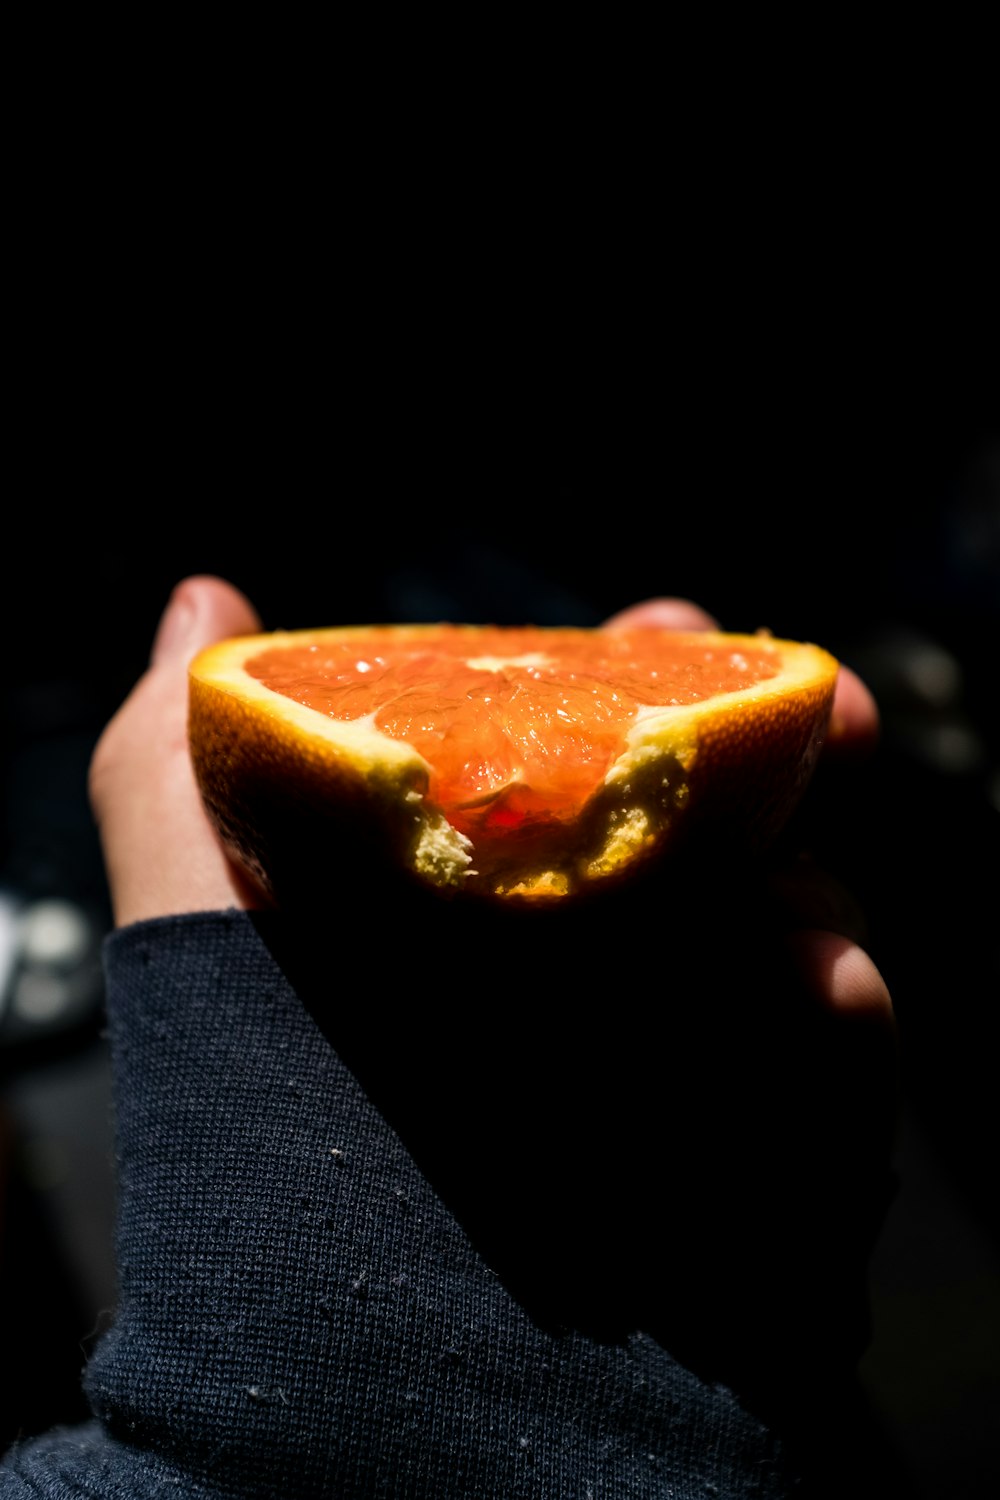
{"x": 176, "y": 630}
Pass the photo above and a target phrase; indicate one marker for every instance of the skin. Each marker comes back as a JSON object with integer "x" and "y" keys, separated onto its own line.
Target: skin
{"x": 160, "y": 853}
{"x": 162, "y": 857}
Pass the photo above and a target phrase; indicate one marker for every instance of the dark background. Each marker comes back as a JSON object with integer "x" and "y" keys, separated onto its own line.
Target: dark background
{"x": 792, "y": 419}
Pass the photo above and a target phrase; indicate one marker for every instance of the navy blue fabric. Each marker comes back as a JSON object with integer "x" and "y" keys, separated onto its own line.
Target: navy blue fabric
{"x": 302, "y": 1315}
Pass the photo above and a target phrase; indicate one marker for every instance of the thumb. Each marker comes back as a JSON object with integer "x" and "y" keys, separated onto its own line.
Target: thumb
{"x": 161, "y": 855}
{"x": 202, "y": 609}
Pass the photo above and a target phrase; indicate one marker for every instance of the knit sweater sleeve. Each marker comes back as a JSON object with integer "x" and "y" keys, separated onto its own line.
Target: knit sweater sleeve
{"x": 301, "y": 1314}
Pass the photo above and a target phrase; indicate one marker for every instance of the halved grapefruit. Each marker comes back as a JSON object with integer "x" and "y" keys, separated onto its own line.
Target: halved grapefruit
{"x": 523, "y": 763}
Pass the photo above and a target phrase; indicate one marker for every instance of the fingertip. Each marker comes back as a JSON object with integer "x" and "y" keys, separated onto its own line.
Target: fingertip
{"x": 668, "y": 614}
{"x": 857, "y": 986}
{"x": 855, "y": 725}
{"x": 843, "y": 977}
{"x": 202, "y": 608}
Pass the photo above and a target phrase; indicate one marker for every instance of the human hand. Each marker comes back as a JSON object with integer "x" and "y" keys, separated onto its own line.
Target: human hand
{"x": 787, "y": 1046}
{"x": 163, "y": 857}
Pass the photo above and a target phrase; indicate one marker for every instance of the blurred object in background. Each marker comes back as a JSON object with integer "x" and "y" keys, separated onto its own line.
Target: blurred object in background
{"x": 53, "y": 901}
{"x": 57, "y": 1281}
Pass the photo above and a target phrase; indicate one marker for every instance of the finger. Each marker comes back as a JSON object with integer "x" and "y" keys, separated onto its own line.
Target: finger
{"x": 161, "y": 855}
{"x": 859, "y": 1051}
{"x": 841, "y": 977}
{"x": 669, "y": 614}
{"x": 854, "y": 723}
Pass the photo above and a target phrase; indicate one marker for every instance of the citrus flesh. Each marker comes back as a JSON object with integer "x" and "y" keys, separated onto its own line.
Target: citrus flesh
{"x": 505, "y": 761}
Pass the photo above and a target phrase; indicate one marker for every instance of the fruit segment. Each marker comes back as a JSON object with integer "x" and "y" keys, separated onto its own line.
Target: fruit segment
{"x": 511, "y": 731}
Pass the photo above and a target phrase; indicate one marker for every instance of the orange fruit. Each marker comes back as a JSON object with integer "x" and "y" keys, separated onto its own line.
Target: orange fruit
{"x": 526, "y": 763}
